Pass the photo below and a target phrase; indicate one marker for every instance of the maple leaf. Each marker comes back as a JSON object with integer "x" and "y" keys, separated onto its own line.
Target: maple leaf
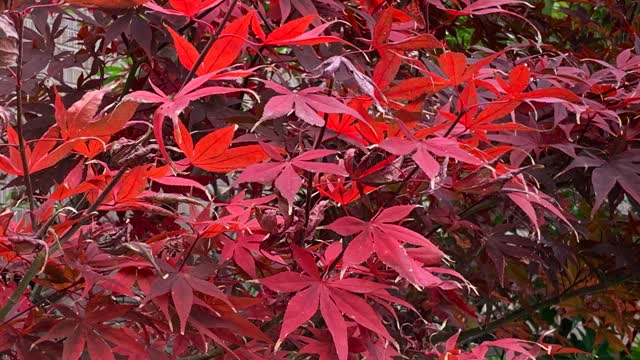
{"x": 622, "y": 169}
{"x": 85, "y": 328}
{"x": 385, "y": 239}
{"x": 107, "y": 4}
{"x": 188, "y": 8}
{"x": 482, "y": 7}
{"x": 524, "y": 196}
{"x": 373, "y": 169}
{"x": 222, "y": 53}
{"x": 519, "y": 78}
{"x": 80, "y": 121}
{"x": 382, "y": 32}
{"x": 44, "y": 154}
{"x": 181, "y": 286}
{"x": 453, "y": 65}
{"x": 336, "y": 189}
{"x": 305, "y": 103}
{"x": 283, "y": 173}
{"x": 212, "y": 152}
{"x": 391, "y": 52}
{"x": 294, "y": 33}
{"x": 333, "y": 296}
{"x": 172, "y": 106}
{"x": 422, "y": 150}
{"x": 243, "y": 249}
{"x": 344, "y": 127}
{"x": 320, "y": 344}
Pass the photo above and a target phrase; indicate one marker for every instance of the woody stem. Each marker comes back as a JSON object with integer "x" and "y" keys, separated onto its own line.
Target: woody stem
{"x": 19, "y": 19}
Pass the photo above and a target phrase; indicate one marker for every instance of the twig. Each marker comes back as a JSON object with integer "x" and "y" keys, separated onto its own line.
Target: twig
{"x": 206, "y": 356}
{"x": 188, "y": 253}
{"x": 454, "y": 123}
{"x": 199, "y": 17}
{"x": 90, "y": 210}
{"x": 471, "y": 334}
{"x": 19, "y": 19}
{"x": 404, "y": 183}
{"x": 316, "y": 145}
{"x": 474, "y": 208}
{"x": 53, "y": 297}
{"x": 39, "y": 260}
{"x": 209, "y": 44}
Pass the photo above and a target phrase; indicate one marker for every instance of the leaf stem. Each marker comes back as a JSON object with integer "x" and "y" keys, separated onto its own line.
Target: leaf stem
{"x": 404, "y": 183}
{"x": 199, "y": 17}
{"x": 454, "y": 123}
{"x": 316, "y": 145}
{"x": 19, "y": 19}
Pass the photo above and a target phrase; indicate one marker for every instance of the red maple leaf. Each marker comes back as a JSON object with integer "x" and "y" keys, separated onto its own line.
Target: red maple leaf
{"x": 84, "y": 327}
{"x": 391, "y": 52}
{"x": 294, "y": 33}
{"x": 518, "y": 82}
{"x": 42, "y": 155}
{"x": 422, "y": 150}
{"x": 333, "y": 296}
{"x": 222, "y": 53}
{"x": 188, "y": 8}
{"x": 453, "y": 65}
{"x": 172, "y": 106}
{"x": 305, "y": 103}
{"x": 83, "y": 122}
{"x": 212, "y": 152}
{"x": 181, "y": 285}
{"x": 386, "y": 240}
{"x": 283, "y": 173}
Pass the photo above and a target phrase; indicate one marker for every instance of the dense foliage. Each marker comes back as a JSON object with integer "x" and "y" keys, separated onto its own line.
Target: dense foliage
{"x": 333, "y": 179}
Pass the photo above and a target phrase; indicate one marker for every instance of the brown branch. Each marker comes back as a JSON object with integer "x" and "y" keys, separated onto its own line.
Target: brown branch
{"x": 472, "y": 334}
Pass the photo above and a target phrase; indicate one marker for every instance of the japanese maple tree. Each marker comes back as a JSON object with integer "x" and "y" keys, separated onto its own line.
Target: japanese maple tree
{"x": 296, "y": 179}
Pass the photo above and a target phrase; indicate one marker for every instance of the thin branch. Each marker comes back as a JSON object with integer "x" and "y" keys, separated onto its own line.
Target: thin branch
{"x": 51, "y": 298}
{"x": 472, "y": 334}
{"x": 186, "y": 256}
{"x": 206, "y": 356}
{"x": 404, "y": 183}
{"x": 96, "y": 204}
{"x": 199, "y": 17}
{"x": 454, "y": 123}
{"x": 472, "y": 209}
{"x": 209, "y": 44}
{"x": 39, "y": 260}
{"x": 316, "y": 145}
{"x": 19, "y": 19}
